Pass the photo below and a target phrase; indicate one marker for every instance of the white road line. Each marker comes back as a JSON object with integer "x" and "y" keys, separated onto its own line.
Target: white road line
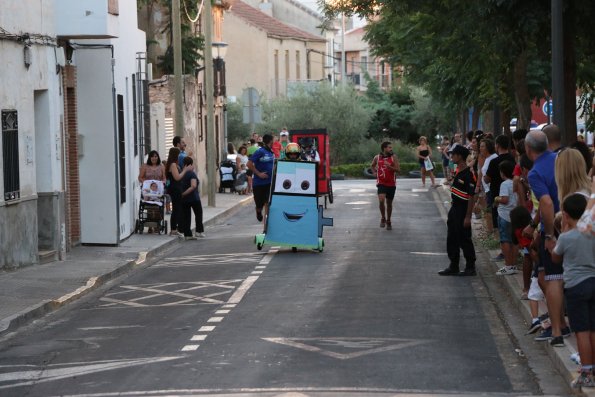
{"x": 112, "y": 327}
{"x": 207, "y": 328}
{"x": 198, "y": 337}
{"x": 190, "y": 348}
{"x": 260, "y": 267}
{"x": 257, "y": 272}
{"x": 231, "y": 306}
{"x": 242, "y": 289}
{"x": 222, "y": 311}
{"x": 428, "y": 253}
{"x": 215, "y": 320}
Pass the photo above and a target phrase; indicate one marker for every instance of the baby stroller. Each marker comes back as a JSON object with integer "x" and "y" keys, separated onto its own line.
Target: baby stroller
{"x": 227, "y": 173}
{"x": 151, "y": 210}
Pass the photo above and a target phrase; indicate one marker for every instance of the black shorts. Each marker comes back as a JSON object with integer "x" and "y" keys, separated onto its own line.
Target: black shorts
{"x": 552, "y": 270}
{"x": 389, "y": 191}
{"x": 580, "y": 303}
{"x": 261, "y": 195}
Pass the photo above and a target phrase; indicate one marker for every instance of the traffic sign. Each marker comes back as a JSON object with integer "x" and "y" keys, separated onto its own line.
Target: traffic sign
{"x": 548, "y": 108}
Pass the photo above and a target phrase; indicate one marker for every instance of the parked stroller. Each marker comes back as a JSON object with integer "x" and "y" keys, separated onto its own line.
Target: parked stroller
{"x": 151, "y": 210}
{"x": 227, "y": 173}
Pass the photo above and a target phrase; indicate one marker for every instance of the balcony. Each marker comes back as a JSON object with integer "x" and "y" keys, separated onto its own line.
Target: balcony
{"x": 88, "y": 19}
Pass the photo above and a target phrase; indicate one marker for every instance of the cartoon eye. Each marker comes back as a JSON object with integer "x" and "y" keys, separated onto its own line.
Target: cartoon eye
{"x": 286, "y": 184}
{"x": 305, "y": 185}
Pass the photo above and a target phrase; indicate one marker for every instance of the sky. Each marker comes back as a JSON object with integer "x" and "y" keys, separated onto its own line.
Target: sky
{"x": 313, "y": 5}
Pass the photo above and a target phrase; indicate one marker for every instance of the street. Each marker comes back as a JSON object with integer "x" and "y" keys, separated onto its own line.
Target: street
{"x": 215, "y": 316}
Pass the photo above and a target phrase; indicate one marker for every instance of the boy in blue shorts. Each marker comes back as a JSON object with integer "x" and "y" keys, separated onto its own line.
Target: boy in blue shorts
{"x": 577, "y": 252}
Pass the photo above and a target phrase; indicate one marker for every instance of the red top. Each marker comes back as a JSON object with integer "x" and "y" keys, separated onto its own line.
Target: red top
{"x": 517, "y": 170}
{"x": 524, "y": 242}
{"x": 385, "y": 176}
{"x": 277, "y": 147}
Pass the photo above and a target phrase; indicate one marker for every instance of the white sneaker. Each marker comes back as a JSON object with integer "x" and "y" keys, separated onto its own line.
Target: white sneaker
{"x": 189, "y": 238}
{"x": 507, "y": 270}
{"x": 201, "y": 235}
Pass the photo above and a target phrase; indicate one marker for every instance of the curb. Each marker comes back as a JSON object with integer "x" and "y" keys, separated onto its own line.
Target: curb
{"x": 35, "y": 312}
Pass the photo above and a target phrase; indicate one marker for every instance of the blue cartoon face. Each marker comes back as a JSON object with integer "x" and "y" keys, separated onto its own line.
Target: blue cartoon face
{"x": 295, "y": 178}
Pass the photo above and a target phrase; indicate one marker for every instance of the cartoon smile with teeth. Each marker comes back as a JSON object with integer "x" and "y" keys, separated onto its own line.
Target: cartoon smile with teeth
{"x": 295, "y": 218}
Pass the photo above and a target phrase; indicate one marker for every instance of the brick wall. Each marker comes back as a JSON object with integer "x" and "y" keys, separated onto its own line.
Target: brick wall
{"x": 73, "y": 202}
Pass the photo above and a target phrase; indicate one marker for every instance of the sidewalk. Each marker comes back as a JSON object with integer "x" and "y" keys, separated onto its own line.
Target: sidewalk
{"x": 560, "y": 356}
{"x": 33, "y": 291}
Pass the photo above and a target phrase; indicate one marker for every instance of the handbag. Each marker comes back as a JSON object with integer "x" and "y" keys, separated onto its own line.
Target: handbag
{"x": 428, "y": 164}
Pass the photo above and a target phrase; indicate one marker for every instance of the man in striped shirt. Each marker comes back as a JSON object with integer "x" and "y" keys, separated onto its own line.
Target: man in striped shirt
{"x": 462, "y": 192}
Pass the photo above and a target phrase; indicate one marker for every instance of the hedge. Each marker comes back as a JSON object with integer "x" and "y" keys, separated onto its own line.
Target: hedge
{"x": 357, "y": 170}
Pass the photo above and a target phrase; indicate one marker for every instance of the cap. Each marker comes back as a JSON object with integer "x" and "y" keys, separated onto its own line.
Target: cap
{"x": 461, "y": 150}
{"x": 284, "y": 133}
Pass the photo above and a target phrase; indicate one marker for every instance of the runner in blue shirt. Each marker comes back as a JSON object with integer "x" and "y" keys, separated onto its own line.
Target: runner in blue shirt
{"x": 261, "y": 163}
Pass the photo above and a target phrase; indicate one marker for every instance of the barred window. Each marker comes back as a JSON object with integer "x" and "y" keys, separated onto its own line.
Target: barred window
{"x": 10, "y": 154}
{"x": 122, "y": 148}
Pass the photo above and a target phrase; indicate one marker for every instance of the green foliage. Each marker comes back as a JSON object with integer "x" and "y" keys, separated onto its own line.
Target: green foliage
{"x": 338, "y": 109}
{"x": 356, "y": 170}
{"x": 237, "y": 131}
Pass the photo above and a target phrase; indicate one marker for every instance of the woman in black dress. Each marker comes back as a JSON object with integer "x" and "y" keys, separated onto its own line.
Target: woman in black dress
{"x": 424, "y": 154}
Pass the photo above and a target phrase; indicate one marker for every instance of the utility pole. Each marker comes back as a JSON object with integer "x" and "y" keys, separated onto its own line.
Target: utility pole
{"x": 209, "y": 92}
{"x": 178, "y": 85}
{"x": 558, "y": 65}
{"x": 343, "y": 62}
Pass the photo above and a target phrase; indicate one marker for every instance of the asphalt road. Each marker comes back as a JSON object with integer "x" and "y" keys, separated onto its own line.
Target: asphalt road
{"x": 368, "y": 316}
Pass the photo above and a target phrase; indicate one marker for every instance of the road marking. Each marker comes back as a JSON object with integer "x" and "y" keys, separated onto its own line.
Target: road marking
{"x": 174, "y": 294}
{"x": 230, "y": 306}
{"x": 343, "y": 348}
{"x": 222, "y": 311}
{"x": 257, "y": 272}
{"x": 190, "y": 348}
{"x": 211, "y": 259}
{"x": 108, "y": 328}
{"x": 428, "y": 253}
{"x": 207, "y": 328}
{"x": 357, "y": 190}
{"x": 52, "y": 372}
{"x": 242, "y": 289}
{"x": 198, "y": 338}
{"x": 420, "y": 190}
{"x": 215, "y": 320}
{"x": 357, "y": 202}
{"x": 260, "y": 267}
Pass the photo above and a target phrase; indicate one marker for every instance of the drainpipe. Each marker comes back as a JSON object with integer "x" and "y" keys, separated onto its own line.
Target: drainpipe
{"x": 116, "y": 148}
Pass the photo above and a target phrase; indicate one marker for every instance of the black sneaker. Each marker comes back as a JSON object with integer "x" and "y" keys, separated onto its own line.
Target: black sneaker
{"x": 557, "y": 341}
{"x": 469, "y": 271}
{"x": 259, "y": 215}
{"x": 449, "y": 271}
{"x": 534, "y": 327}
{"x": 566, "y": 332}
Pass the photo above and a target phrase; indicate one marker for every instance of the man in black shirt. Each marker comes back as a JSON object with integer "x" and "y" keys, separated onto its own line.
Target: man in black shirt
{"x": 458, "y": 237}
{"x": 492, "y": 175}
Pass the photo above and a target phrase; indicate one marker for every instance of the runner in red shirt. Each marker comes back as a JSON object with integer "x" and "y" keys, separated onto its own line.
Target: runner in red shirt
{"x": 385, "y": 165}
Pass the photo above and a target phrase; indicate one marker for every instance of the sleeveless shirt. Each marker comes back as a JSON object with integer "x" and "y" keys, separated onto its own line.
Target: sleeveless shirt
{"x": 385, "y": 176}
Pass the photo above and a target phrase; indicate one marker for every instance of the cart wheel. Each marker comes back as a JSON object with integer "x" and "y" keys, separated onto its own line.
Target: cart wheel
{"x": 331, "y": 198}
{"x": 259, "y": 240}
{"x": 320, "y": 244}
{"x": 325, "y": 202}
{"x": 294, "y": 249}
{"x": 141, "y": 228}
{"x": 259, "y": 246}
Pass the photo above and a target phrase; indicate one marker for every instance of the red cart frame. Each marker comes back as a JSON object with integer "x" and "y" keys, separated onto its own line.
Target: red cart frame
{"x": 321, "y": 143}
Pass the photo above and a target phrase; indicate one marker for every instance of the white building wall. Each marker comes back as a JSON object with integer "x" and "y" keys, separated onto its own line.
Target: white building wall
{"x": 100, "y": 208}
{"x": 35, "y": 94}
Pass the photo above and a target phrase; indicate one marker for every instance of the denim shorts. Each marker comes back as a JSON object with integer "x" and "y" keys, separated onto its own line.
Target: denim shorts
{"x": 505, "y": 231}
{"x": 580, "y": 305}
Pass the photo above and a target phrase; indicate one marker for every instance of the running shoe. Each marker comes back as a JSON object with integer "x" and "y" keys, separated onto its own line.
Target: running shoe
{"x": 259, "y": 215}
{"x": 534, "y": 327}
{"x": 201, "y": 235}
{"x": 546, "y": 334}
{"x": 382, "y": 222}
{"x": 499, "y": 258}
{"x": 507, "y": 270}
{"x": 389, "y": 226}
{"x": 557, "y": 341}
{"x": 585, "y": 379}
{"x": 566, "y": 332}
